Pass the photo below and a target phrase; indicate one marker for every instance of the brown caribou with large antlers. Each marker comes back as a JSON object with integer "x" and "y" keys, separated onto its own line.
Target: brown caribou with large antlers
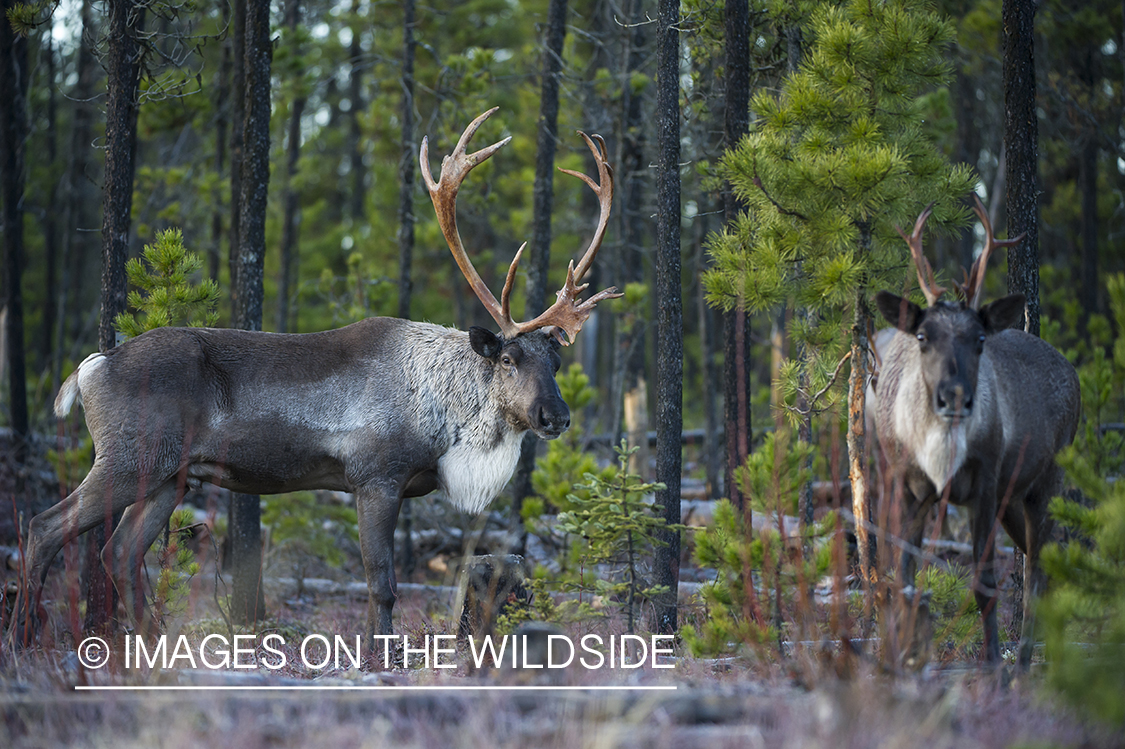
{"x": 968, "y": 407}
{"x": 384, "y": 408}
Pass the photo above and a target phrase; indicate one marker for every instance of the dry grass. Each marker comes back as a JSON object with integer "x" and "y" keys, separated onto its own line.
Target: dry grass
{"x": 718, "y": 703}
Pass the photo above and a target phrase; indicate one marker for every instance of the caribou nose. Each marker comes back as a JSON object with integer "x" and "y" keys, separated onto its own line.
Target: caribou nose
{"x": 954, "y": 400}
{"x": 554, "y": 420}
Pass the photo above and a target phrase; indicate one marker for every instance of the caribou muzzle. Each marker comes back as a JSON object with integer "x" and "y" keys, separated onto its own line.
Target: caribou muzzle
{"x": 552, "y": 418}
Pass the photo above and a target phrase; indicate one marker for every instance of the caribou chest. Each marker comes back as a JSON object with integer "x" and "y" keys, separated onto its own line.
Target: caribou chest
{"x": 472, "y": 473}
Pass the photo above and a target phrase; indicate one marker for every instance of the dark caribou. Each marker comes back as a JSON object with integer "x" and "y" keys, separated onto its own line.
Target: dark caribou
{"x": 968, "y": 406}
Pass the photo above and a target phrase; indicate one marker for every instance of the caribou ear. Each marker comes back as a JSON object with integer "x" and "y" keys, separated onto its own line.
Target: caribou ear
{"x": 1003, "y": 313}
{"x": 485, "y": 342}
{"x": 898, "y": 311}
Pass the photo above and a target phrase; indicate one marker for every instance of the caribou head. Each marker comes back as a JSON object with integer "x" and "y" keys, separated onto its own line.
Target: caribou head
{"x": 524, "y": 355}
{"x": 951, "y": 335}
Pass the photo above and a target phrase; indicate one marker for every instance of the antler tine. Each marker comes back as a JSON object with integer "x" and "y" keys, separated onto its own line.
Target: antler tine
{"x": 443, "y": 193}
{"x": 974, "y": 284}
{"x": 925, "y": 271}
{"x": 604, "y": 190}
{"x": 567, "y": 315}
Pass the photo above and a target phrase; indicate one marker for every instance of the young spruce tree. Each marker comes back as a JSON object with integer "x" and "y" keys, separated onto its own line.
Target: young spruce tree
{"x": 831, "y": 164}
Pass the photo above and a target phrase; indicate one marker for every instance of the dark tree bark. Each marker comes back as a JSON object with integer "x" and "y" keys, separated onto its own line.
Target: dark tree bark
{"x": 290, "y": 205}
{"x": 629, "y": 356}
{"x": 357, "y": 199}
{"x": 237, "y": 41}
{"x": 543, "y": 200}
{"x": 74, "y": 191}
{"x": 967, "y": 148}
{"x": 406, "y": 228}
{"x": 1021, "y": 140}
{"x": 406, "y": 166}
{"x": 736, "y": 323}
{"x": 50, "y": 222}
{"x": 1088, "y": 177}
{"x": 123, "y": 77}
{"x": 857, "y": 435}
{"x": 222, "y": 120}
{"x": 1090, "y": 76}
{"x": 13, "y": 137}
{"x": 669, "y": 321}
{"x": 247, "y": 600}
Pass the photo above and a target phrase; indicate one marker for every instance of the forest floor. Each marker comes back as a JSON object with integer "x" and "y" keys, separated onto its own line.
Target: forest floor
{"x": 51, "y": 695}
{"x": 48, "y": 698}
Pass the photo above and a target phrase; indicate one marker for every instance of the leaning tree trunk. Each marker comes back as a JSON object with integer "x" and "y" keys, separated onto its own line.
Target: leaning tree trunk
{"x": 543, "y": 200}
{"x": 857, "y": 437}
{"x": 670, "y": 323}
{"x": 406, "y": 230}
{"x": 123, "y": 76}
{"x": 13, "y": 136}
{"x": 247, "y": 600}
{"x": 736, "y": 323}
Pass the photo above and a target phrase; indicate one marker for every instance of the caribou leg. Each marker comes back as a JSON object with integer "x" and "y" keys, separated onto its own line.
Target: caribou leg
{"x": 984, "y": 527}
{"x": 123, "y": 556}
{"x": 377, "y": 512}
{"x": 104, "y": 493}
{"x": 1038, "y": 528}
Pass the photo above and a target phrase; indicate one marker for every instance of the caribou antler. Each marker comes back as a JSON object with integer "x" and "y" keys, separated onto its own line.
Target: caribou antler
{"x": 567, "y": 314}
{"x": 930, "y": 289}
{"x": 974, "y": 280}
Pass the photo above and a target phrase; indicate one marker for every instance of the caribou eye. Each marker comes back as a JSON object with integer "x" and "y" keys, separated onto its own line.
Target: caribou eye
{"x": 506, "y": 360}
{"x": 921, "y": 337}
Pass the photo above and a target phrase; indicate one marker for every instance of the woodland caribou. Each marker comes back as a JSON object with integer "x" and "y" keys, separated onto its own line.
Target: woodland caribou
{"x": 384, "y": 408}
{"x": 968, "y": 407}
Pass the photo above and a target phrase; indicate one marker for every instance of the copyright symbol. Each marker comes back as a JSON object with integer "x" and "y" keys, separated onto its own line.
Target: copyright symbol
{"x": 93, "y": 652}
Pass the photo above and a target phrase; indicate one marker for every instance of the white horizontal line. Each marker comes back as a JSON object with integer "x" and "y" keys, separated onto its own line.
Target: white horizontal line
{"x": 385, "y": 688}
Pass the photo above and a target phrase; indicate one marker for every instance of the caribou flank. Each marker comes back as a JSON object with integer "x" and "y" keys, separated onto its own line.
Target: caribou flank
{"x": 967, "y": 406}
{"x": 385, "y": 408}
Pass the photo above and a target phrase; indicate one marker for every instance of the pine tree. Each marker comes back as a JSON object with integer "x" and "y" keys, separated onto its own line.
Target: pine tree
{"x": 1083, "y": 612}
{"x": 831, "y": 165}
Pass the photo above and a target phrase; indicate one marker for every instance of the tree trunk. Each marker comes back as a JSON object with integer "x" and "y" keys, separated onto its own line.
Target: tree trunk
{"x": 543, "y": 200}
{"x": 237, "y": 126}
{"x": 13, "y": 137}
{"x": 290, "y": 205}
{"x": 222, "y": 120}
{"x": 1021, "y": 145}
{"x": 123, "y": 75}
{"x": 967, "y": 149}
{"x": 736, "y": 323}
{"x": 857, "y": 437}
{"x": 1021, "y": 140}
{"x": 50, "y": 222}
{"x": 1088, "y": 178}
{"x": 74, "y": 192}
{"x": 670, "y": 323}
{"x": 247, "y": 600}
{"x": 355, "y": 97}
{"x": 406, "y": 228}
{"x": 629, "y": 371}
